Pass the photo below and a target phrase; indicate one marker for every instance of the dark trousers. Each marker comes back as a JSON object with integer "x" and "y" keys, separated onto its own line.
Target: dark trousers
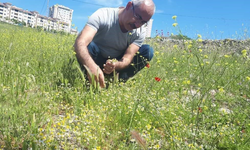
{"x": 140, "y": 60}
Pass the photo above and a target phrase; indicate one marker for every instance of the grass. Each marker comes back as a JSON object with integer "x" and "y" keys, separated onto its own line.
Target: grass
{"x": 200, "y": 99}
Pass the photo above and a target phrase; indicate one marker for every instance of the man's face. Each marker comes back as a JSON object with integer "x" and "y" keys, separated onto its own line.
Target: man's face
{"x": 138, "y": 16}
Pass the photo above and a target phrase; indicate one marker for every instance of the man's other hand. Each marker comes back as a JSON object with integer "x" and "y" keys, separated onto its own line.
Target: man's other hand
{"x": 97, "y": 74}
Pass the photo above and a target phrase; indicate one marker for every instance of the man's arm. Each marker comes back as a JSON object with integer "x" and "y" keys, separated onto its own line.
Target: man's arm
{"x": 82, "y": 53}
{"x": 127, "y": 58}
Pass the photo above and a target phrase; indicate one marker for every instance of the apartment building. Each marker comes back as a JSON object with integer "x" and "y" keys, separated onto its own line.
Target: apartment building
{"x": 62, "y": 13}
{"x": 9, "y": 12}
{"x": 149, "y": 28}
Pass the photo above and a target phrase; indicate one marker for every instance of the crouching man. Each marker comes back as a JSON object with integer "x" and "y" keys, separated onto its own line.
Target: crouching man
{"x": 115, "y": 33}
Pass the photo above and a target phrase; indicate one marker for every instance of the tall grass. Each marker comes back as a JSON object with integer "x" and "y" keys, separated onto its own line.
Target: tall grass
{"x": 191, "y": 97}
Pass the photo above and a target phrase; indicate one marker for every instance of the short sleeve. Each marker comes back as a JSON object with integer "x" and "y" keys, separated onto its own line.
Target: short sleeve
{"x": 139, "y": 36}
{"x": 96, "y": 19}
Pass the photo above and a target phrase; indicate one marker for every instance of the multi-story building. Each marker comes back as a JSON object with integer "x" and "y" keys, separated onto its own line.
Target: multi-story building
{"x": 8, "y": 13}
{"x": 64, "y": 14}
{"x": 149, "y": 28}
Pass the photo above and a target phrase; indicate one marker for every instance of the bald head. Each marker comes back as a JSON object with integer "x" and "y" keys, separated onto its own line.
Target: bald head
{"x": 148, "y": 3}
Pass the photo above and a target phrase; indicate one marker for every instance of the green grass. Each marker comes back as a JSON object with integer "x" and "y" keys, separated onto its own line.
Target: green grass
{"x": 201, "y": 102}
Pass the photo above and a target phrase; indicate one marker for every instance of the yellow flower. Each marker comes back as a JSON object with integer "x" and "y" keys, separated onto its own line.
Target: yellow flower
{"x": 244, "y": 52}
{"x": 200, "y": 50}
{"x": 221, "y": 90}
{"x": 175, "y": 46}
{"x": 199, "y": 36}
{"x": 98, "y": 147}
{"x": 248, "y": 78}
{"x": 174, "y": 17}
{"x": 186, "y": 82}
{"x": 199, "y": 40}
{"x": 148, "y": 127}
{"x": 226, "y": 56}
{"x": 190, "y": 46}
{"x": 174, "y": 24}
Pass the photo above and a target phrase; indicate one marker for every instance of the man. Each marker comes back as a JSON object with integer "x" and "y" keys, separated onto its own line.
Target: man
{"x": 115, "y": 33}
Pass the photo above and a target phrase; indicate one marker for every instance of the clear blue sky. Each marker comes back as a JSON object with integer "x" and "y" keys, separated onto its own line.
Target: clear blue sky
{"x": 213, "y": 19}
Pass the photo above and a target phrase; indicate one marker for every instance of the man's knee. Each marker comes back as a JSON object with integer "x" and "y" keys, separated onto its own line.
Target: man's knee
{"x": 147, "y": 51}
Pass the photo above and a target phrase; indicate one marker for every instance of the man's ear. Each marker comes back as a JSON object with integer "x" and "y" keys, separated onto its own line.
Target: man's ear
{"x": 129, "y": 5}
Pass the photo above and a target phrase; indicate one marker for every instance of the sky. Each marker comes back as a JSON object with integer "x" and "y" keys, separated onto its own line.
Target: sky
{"x": 213, "y": 19}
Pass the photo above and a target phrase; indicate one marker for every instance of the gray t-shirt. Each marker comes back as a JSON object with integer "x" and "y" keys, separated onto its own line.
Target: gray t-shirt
{"x": 109, "y": 37}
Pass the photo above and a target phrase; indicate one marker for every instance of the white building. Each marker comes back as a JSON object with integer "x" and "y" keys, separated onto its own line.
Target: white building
{"x": 8, "y": 13}
{"x": 64, "y": 14}
{"x": 149, "y": 28}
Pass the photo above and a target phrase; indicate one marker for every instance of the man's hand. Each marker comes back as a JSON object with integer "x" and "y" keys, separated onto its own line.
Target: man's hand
{"x": 97, "y": 74}
{"x": 109, "y": 67}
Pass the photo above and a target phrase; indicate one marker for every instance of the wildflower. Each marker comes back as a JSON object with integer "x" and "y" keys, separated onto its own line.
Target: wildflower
{"x": 175, "y": 46}
{"x": 157, "y": 146}
{"x": 199, "y": 40}
{"x": 221, "y": 90}
{"x": 200, "y": 109}
{"x": 174, "y": 17}
{"x": 147, "y": 65}
{"x": 148, "y": 127}
{"x": 157, "y": 79}
{"x": 190, "y": 46}
{"x": 226, "y": 56}
{"x": 174, "y": 24}
{"x": 248, "y": 78}
{"x": 98, "y": 147}
{"x": 244, "y": 53}
{"x": 199, "y": 36}
{"x": 200, "y": 50}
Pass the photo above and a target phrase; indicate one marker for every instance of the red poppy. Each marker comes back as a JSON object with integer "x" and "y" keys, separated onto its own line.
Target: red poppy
{"x": 147, "y": 65}
{"x": 157, "y": 79}
{"x": 200, "y": 110}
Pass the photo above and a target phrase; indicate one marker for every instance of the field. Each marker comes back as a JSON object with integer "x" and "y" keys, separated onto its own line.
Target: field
{"x": 191, "y": 96}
